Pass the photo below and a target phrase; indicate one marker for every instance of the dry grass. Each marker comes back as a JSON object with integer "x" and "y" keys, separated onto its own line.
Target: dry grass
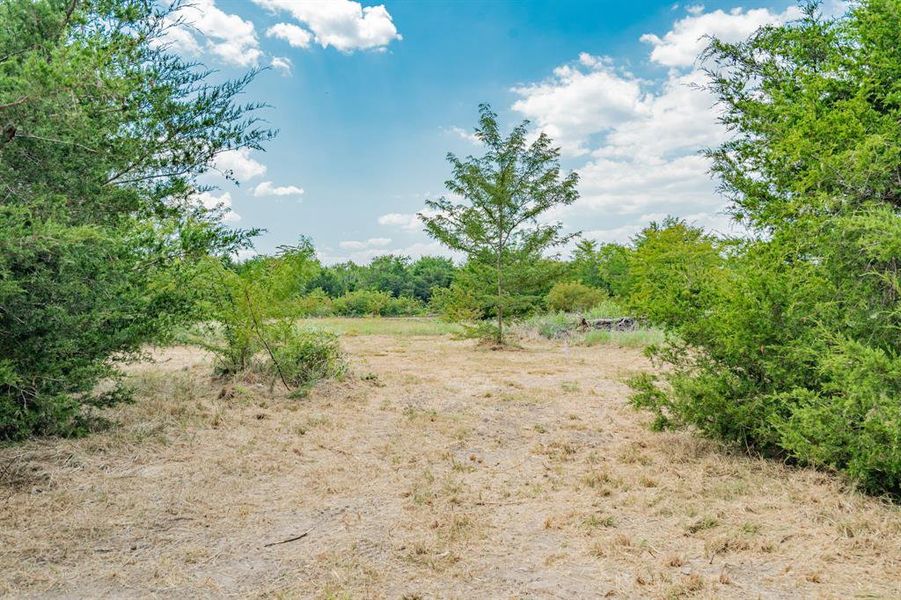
{"x": 439, "y": 470}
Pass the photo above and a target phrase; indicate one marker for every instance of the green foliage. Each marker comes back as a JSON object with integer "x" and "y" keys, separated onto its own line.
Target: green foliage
{"x": 671, "y": 268}
{"x": 394, "y": 275}
{"x": 572, "y": 296}
{"x": 103, "y": 136}
{"x": 497, "y": 226}
{"x": 429, "y": 274}
{"x": 339, "y": 279}
{"x": 457, "y": 304}
{"x": 313, "y": 304}
{"x": 606, "y": 309}
{"x": 790, "y": 342}
{"x": 604, "y": 266}
{"x": 253, "y": 328}
{"x": 363, "y": 303}
{"x": 301, "y": 357}
{"x": 284, "y": 275}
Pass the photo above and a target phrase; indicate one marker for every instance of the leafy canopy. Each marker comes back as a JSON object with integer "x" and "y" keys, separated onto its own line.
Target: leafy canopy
{"x": 503, "y": 192}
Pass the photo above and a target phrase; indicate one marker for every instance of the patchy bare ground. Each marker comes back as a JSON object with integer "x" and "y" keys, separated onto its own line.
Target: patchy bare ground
{"x": 438, "y": 470}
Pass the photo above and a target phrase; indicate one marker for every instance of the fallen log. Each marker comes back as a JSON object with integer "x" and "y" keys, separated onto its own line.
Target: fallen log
{"x": 615, "y": 324}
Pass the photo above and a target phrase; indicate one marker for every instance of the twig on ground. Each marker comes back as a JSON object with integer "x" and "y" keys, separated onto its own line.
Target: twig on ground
{"x": 293, "y": 539}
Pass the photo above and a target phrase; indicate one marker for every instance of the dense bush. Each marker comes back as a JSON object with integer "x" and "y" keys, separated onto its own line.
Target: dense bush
{"x": 301, "y": 357}
{"x": 672, "y": 267}
{"x": 473, "y": 294}
{"x": 788, "y": 342}
{"x": 104, "y": 135}
{"x": 604, "y": 266}
{"x": 313, "y": 304}
{"x": 572, "y": 296}
{"x": 374, "y": 303}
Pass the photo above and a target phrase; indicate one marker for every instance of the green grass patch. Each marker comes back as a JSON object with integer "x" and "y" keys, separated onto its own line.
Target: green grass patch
{"x": 639, "y": 338}
{"x": 399, "y": 326}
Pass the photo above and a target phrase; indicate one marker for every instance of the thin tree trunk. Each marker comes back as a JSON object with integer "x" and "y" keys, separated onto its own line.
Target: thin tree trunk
{"x": 500, "y": 308}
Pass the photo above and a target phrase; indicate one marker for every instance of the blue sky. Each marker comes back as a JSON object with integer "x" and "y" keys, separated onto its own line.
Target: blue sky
{"x": 370, "y": 97}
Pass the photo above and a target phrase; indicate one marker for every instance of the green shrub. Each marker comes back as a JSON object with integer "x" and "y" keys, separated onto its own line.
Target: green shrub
{"x": 573, "y": 296}
{"x": 404, "y": 306}
{"x": 606, "y": 309}
{"x": 301, "y": 357}
{"x": 313, "y": 304}
{"x": 787, "y": 342}
{"x": 362, "y": 303}
{"x": 552, "y": 325}
{"x": 456, "y": 304}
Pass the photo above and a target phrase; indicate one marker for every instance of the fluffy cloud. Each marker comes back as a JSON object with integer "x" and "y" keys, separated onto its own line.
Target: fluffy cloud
{"x": 640, "y": 140}
{"x": 204, "y": 27}
{"x": 370, "y": 243}
{"x": 580, "y": 100}
{"x": 463, "y": 134}
{"x": 646, "y": 158}
{"x": 366, "y": 253}
{"x": 342, "y": 24}
{"x": 283, "y": 64}
{"x": 221, "y": 203}
{"x": 265, "y": 188}
{"x": 297, "y": 37}
{"x": 239, "y": 164}
{"x": 680, "y": 46}
{"x": 408, "y": 221}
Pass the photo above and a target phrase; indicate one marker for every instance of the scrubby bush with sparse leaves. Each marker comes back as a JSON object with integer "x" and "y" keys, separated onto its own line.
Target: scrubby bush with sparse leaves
{"x": 373, "y": 303}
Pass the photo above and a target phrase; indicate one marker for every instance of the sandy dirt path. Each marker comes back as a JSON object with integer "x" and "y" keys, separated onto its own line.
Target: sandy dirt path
{"x": 437, "y": 470}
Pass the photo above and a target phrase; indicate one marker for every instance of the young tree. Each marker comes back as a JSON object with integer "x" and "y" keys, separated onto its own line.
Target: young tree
{"x": 504, "y": 193}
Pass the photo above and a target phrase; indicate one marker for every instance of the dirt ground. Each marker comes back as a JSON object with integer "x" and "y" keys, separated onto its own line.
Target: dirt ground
{"x": 437, "y": 470}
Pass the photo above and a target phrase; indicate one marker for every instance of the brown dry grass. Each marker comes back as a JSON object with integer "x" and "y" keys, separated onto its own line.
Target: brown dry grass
{"x": 440, "y": 470}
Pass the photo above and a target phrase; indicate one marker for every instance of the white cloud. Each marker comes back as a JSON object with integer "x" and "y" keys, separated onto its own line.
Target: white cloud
{"x": 180, "y": 39}
{"x": 640, "y": 140}
{"x": 620, "y": 235}
{"x": 580, "y": 100}
{"x": 239, "y": 164}
{"x": 364, "y": 254}
{"x": 283, "y": 64}
{"x": 245, "y": 254}
{"x": 342, "y": 24}
{"x": 221, "y": 203}
{"x": 298, "y": 37}
{"x": 371, "y": 243}
{"x": 680, "y": 46}
{"x": 265, "y": 188}
{"x": 461, "y": 133}
{"x": 408, "y": 221}
{"x": 206, "y": 28}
